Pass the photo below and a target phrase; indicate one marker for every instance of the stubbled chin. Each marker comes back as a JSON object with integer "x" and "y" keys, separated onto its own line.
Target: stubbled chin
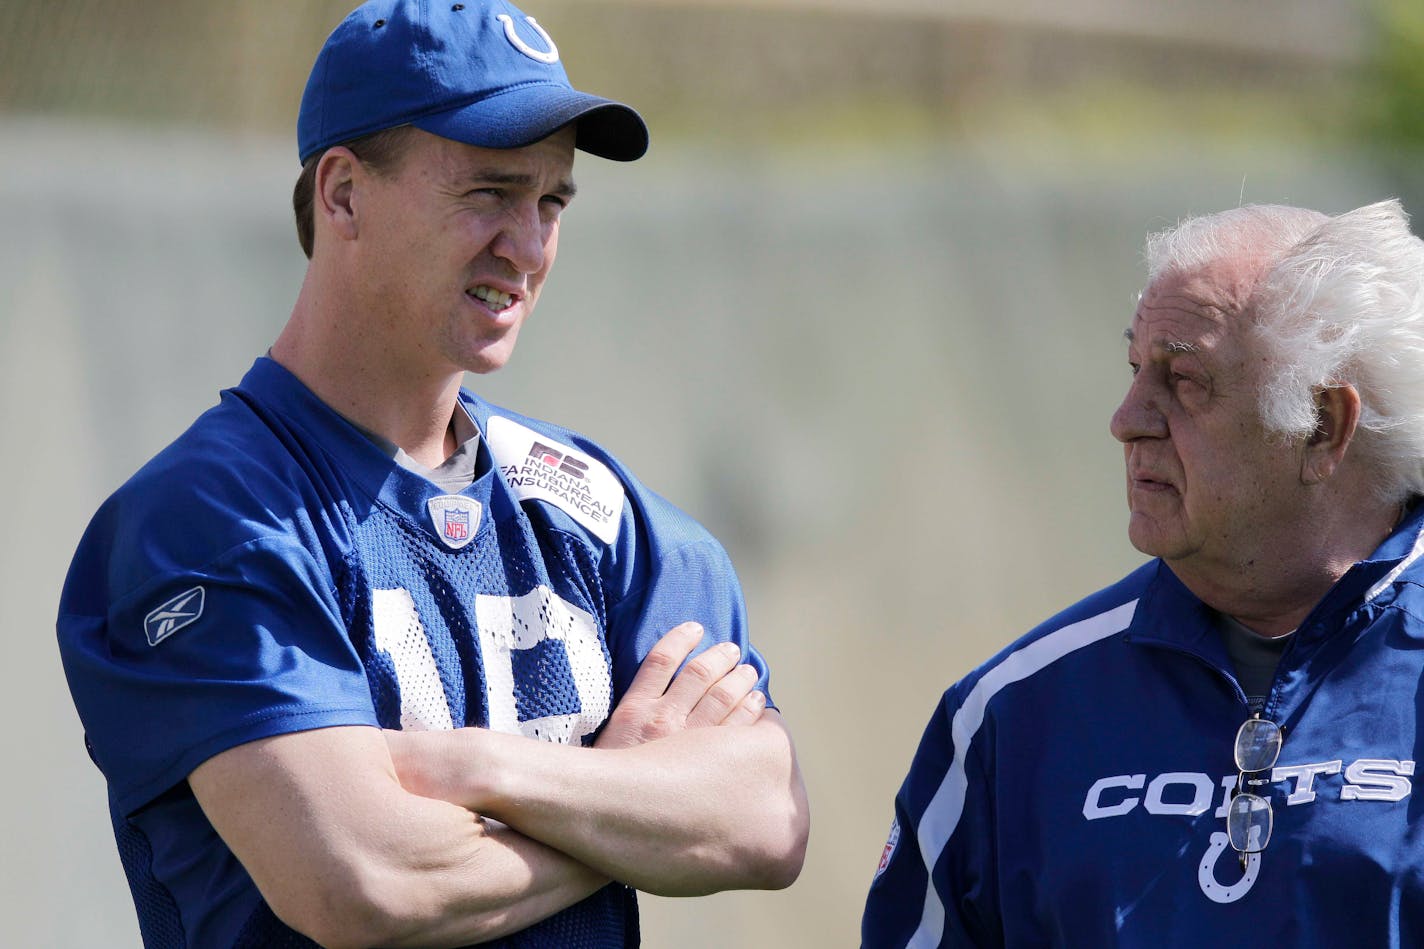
{"x": 1143, "y": 534}
{"x": 1167, "y": 537}
{"x": 493, "y": 356}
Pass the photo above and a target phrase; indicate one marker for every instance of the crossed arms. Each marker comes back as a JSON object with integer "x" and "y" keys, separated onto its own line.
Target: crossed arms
{"x": 359, "y": 837}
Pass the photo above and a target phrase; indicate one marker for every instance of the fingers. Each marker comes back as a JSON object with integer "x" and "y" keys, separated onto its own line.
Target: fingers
{"x": 748, "y": 710}
{"x": 671, "y": 692}
{"x": 701, "y": 673}
{"x": 662, "y": 661}
{"x": 724, "y": 697}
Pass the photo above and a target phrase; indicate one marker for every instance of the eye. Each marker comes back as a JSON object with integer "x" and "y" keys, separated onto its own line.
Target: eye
{"x": 484, "y": 198}
{"x": 1134, "y": 368}
{"x": 1187, "y": 386}
{"x": 551, "y": 208}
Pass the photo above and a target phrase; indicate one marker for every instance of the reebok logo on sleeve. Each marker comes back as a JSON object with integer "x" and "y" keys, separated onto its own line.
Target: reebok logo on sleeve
{"x": 183, "y": 610}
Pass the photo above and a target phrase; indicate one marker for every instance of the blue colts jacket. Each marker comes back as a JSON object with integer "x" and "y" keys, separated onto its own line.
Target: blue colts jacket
{"x": 1071, "y": 791}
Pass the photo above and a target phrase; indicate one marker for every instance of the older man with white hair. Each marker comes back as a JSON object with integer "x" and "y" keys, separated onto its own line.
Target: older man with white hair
{"x": 1220, "y": 748}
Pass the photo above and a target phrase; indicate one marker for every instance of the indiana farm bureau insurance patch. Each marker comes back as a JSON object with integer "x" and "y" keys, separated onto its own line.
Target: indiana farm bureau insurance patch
{"x": 536, "y": 466}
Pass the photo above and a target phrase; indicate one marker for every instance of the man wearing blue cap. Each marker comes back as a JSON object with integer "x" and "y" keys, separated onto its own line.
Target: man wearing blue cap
{"x": 367, "y": 660}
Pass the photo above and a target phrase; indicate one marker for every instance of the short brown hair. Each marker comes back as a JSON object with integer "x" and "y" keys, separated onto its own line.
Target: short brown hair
{"x": 380, "y": 151}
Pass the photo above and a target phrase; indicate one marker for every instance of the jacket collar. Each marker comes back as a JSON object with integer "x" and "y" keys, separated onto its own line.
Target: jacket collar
{"x": 1170, "y": 614}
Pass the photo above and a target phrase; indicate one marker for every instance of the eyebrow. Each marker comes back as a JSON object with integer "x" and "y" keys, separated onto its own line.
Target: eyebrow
{"x": 565, "y": 188}
{"x": 1171, "y": 346}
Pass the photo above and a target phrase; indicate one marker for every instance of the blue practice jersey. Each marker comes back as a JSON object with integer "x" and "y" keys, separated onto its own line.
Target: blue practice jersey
{"x": 274, "y": 571}
{"x": 1071, "y": 791}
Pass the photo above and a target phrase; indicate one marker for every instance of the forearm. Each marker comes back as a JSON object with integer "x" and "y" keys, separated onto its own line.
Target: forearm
{"x": 491, "y": 887}
{"x": 342, "y": 853}
{"x": 480, "y": 887}
{"x": 696, "y": 812}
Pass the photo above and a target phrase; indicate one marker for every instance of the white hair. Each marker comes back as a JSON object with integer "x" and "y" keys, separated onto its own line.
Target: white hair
{"x": 1340, "y": 301}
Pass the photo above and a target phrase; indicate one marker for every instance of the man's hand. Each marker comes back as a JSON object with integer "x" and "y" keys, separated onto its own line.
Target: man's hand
{"x": 711, "y": 689}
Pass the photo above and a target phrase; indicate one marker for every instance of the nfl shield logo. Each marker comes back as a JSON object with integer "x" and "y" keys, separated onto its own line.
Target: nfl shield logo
{"x": 455, "y": 519}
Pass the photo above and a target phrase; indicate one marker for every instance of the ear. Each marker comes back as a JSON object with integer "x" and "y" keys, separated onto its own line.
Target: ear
{"x": 1338, "y": 409}
{"x": 334, "y": 197}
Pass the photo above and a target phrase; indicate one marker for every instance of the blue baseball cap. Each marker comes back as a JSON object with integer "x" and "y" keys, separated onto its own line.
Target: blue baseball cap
{"x": 479, "y": 72}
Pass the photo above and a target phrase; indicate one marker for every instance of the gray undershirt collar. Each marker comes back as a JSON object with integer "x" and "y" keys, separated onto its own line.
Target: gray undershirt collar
{"x": 1254, "y": 657}
{"x": 455, "y": 473}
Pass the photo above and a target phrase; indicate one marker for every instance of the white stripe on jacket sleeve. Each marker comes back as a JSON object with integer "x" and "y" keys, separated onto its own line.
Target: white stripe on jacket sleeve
{"x": 944, "y": 810}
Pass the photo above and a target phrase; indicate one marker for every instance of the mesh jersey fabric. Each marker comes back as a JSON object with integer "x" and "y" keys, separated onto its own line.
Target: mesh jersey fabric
{"x": 273, "y": 571}
{"x": 1071, "y": 791}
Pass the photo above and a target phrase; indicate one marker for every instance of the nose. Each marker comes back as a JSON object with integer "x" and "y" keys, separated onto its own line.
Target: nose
{"x": 1139, "y": 415}
{"x": 523, "y": 239}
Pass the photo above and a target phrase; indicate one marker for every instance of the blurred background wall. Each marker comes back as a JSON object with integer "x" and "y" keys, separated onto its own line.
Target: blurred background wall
{"x": 859, "y": 310}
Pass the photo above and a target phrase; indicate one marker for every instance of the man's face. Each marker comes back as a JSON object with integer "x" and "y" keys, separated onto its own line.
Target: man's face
{"x": 456, "y": 243}
{"x": 1207, "y": 486}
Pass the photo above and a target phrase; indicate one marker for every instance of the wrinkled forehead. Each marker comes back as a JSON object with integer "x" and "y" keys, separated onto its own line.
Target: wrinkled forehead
{"x": 1199, "y": 305}
{"x": 549, "y": 158}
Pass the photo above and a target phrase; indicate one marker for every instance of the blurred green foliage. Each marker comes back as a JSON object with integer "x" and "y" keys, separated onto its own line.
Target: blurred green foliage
{"x": 1393, "y": 107}
{"x": 786, "y": 73}
{"x": 768, "y": 71}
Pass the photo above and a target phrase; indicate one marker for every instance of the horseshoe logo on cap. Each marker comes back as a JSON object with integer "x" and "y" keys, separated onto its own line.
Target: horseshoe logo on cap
{"x": 552, "y": 56}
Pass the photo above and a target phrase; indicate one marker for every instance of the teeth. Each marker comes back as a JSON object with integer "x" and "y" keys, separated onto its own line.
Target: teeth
{"x": 493, "y": 297}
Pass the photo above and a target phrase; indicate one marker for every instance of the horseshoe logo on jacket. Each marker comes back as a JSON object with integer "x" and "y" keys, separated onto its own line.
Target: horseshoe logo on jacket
{"x": 1215, "y": 890}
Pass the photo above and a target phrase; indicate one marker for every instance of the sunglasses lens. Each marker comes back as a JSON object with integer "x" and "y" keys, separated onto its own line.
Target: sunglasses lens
{"x": 1248, "y": 823}
{"x": 1258, "y": 743}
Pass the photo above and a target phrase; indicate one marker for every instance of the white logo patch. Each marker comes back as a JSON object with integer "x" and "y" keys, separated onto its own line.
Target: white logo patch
{"x": 456, "y": 519}
{"x": 183, "y": 610}
{"x": 537, "y": 467}
{"x": 551, "y": 57}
